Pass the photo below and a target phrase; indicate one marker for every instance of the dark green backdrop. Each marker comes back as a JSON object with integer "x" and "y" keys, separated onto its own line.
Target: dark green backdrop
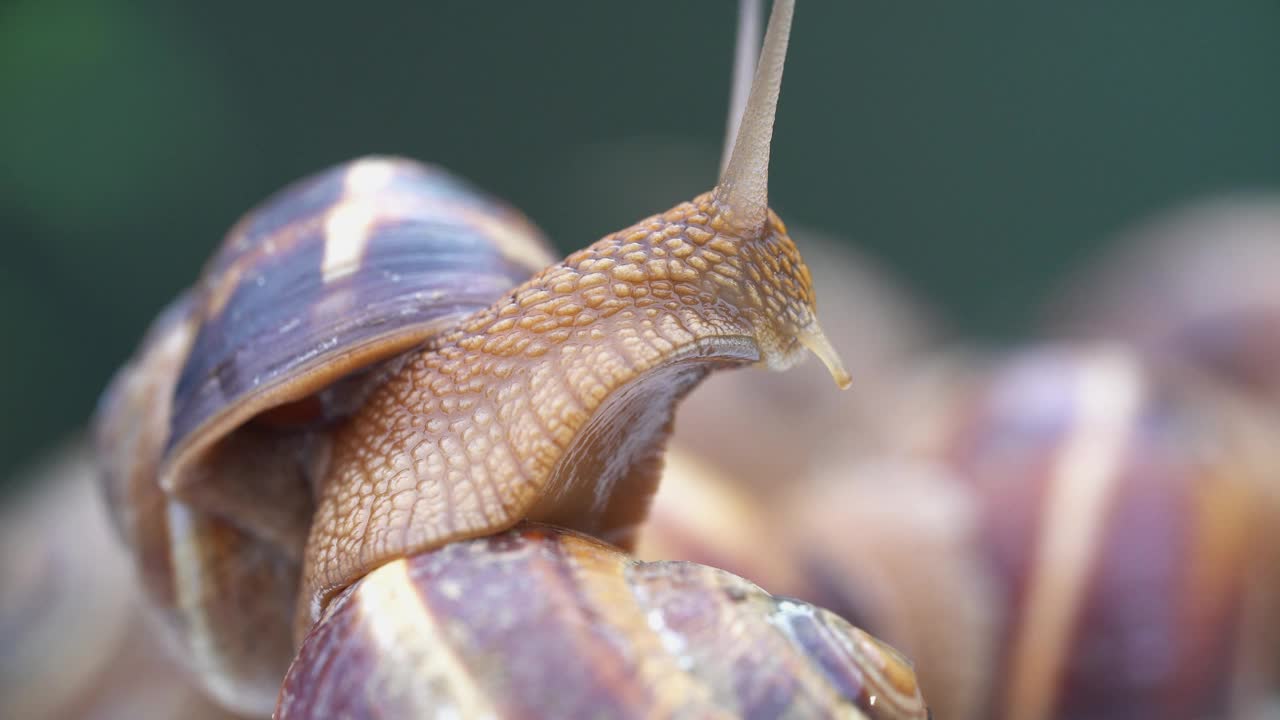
{"x": 980, "y": 150}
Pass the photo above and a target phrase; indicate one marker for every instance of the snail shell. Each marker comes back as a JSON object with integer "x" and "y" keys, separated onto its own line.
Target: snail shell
{"x": 211, "y": 440}
{"x": 592, "y": 633}
{"x": 76, "y": 644}
{"x": 1128, "y": 528}
{"x": 891, "y": 545}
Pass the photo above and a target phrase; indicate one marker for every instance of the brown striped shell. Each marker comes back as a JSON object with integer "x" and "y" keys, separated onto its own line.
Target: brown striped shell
{"x": 593, "y": 634}
{"x": 334, "y": 274}
{"x": 1128, "y": 526}
{"x": 211, "y": 440}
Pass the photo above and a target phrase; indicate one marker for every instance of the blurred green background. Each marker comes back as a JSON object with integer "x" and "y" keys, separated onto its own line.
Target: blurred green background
{"x": 979, "y": 150}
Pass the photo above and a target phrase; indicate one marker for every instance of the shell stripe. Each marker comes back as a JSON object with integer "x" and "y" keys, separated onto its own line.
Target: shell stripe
{"x": 347, "y": 232}
{"x": 397, "y": 622}
{"x": 510, "y": 641}
{"x": 660, "y": 667}
{"x": 1108, "y": 393}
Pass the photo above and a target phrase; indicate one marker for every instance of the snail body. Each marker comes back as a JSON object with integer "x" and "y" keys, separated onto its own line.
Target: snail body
{"x": 366, "y": 372}
{"x": 553, "y": 404}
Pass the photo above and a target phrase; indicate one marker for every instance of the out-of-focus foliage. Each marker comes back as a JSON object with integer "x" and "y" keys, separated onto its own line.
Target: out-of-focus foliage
{"x": 979, "y": 149}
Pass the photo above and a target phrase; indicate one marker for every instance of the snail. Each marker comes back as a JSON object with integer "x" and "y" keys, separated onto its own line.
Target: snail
{"x": 382, "y": 363}
{"x": 795, "y": 424}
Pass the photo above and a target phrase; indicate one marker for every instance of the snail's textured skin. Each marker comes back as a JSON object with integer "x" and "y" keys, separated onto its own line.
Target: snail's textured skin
{"x": 554, "y": 403}
{"x": 796, "y": 425}
{"x": 539, "y": 622}
{"x": 1129, "y": 530}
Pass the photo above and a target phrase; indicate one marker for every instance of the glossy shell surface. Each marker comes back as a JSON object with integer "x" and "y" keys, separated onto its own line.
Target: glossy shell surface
{"x": 538, "y": 622}
{"x": 341, "y": 270}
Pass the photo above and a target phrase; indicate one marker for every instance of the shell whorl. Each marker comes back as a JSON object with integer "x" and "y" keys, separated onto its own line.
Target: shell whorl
{"x": 591, "y": 630}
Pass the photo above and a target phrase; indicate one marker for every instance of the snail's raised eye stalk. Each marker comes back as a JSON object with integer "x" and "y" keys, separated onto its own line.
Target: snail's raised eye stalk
{"x": 744, "y": 184}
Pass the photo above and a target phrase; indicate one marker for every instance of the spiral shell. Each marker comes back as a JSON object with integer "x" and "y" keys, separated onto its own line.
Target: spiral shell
{"x": 539, "y": 622}
{"x": 211, "y": 440}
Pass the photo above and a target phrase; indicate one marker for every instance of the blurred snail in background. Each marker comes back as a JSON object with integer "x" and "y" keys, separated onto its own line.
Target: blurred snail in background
{"x": 375, "y": 378}
{"x": 75, "y": 642}
{"x": 1128, "y": 519}
{"x": 1093, "y": 534}
{"x": 1196, "y": 285}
